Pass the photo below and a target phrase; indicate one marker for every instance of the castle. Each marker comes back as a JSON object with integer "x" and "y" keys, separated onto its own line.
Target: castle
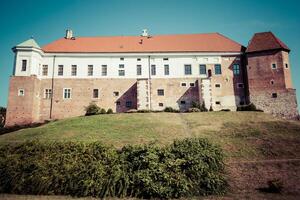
{"x": 148, "y": 72}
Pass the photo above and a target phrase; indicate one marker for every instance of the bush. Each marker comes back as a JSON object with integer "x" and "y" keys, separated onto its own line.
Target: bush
{"x": 203, "y": 107}
{"x": 102, "y": 111}
{"x": 2, "y": 116}
{"x": 250, "y": 107}
{"x": 109, "y": 111}
{"x": 194, "y": 110}
{"x": 92, "y": 109}
{"x": 170, "y": 109}
{"x": 185, "y": 168}
{"x": 211, "y": 109}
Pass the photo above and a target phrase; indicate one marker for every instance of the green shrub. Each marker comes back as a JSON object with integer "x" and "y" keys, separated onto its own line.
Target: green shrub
{"x": 211, "y": 109}
{"x": 109, "y": 111}
{"x": 102, "y": 111}
{"x": 92, "y": 109}
{"x": 190, "y": 167}
{"x": 144, "y": 111}
{"x": 2, "y": 116}
{"x": 203, "y": 107}
{"x": 170, "y": 109}
{"x": 250, "y": 107}
{"x": 195, "y": 105}
{"x": 194, "y": 110}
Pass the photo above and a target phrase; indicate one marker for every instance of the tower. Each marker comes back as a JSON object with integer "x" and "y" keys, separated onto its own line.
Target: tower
{"x": 269, "y": 76}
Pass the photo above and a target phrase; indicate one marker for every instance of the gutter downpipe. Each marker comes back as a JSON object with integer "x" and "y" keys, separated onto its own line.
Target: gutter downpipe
{"x": 149, "y": 78}
{"x": 52, "y": 87}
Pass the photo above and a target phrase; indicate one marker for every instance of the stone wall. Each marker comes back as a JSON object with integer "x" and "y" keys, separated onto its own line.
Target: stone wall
{"x": 285, "y": 105}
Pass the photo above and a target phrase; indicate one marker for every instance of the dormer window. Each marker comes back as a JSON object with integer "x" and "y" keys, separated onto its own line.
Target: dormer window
{"x": 24, "y": 65}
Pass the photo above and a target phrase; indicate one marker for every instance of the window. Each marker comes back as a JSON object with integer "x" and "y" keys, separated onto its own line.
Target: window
{"x": 90, "y": 70}
{"x": 139, "y": 70}
{"x": 95, "y": 93}
{"x": 121, "y": 66}
{"x": 67, "y": 93}
{"x": 192, "y": 84}
{"x": 160, "y": 92}
{"x": 286, "y": 65}
{"x": 240, "y": 85}
{"x": 104, "y": 70}
{"x": 121, "y": 58}
{"x": 165, "y": 58}
{"x": 274, "y": 66}
{"x": 48, "y": 93}
{"x": 153, "y": 70}
{"x": 183, "y": 84}
{"x": 118, "y": 103}
{"x": 60, "y": 70}
{"x": 272, "y": 82}
{"x": 274, "y": 95}
{"x": 202, "y": 69}
{"x": 160, "y": 104}
{"x": 128, "y": 104}
{"x": 138, "y": 59}
{"x": 236, "y": 69}
{"x": 218, "y": 69}
{"x": 218, "y": 85}
{"x": 21, "y": 92}
{"x": 167, "y": 70}
{"x": 187, "y": 69}
{"x": 74, "y": 70}
{"x": 182, "y": 102}
{"x": 121, "y": 72}
{"x": 116, "y": 93}
{"x": 45, "y": 70}
{"x": 24, "y": 65}
{"x": 218, "y": 103}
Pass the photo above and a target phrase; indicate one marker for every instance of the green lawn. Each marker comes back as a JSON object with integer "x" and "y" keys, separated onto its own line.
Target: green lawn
{"x": 243, "y": 135}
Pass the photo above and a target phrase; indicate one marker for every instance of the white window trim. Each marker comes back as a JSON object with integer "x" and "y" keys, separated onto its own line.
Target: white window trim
{"x": 64, "y": 93}
{"x": 182, "y": 85}
{"x": 272, "y": 65}
{"x": 184, "y": 69}
{"x": 19, "y": 92}
{"x": 45, "y": 93}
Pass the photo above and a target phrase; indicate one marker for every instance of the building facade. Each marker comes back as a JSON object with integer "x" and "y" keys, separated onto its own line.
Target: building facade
{"x": 147, "y": 72}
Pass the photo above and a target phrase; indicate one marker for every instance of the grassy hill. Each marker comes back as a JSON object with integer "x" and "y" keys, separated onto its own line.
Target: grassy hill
{"x": 259, "y": 147}
{"x": 243, "y": 135}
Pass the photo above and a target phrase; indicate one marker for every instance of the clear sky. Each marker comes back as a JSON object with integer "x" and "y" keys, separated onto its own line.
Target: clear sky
{"x": 238, "y": 19}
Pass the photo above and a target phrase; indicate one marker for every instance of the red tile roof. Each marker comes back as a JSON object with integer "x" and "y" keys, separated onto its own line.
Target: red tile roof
{"x": 211, "y": 42}
{"x": 265, "y": 41}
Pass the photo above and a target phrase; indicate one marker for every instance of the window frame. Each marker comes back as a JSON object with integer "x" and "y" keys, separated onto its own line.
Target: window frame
{"x": 90, "y": 70}
{"x": 160, "y": 92}
{"x": 103, "y": 70}
{"x": 166, "y": 69}
{"x": 201, "y": 69}
{"x": 45, "y": 72}
{"x": 60, "y": 70}
{"x": 153, "y": 70}
{"x": 185, "y": 69}
{"x": 219, "y": 85}
{"x": 21, "y": 94}
{"x": 138, "y": 70}
{"x": 73, "y": 70}
{"x": 128, "y": 104}
{"x": 274, "y": 64}
{"x": 95, "y": 96}
{"x": 274, "y": 95}
{"x": 236, "y": 71}
{"x": 47, "y": 93}
{"x": 238, "y": 85}
{"x": 24, "y": 65}
{"x": 121, "y": 72}
{"x": 215, "y": 68}
{"x": 70, "y": 93}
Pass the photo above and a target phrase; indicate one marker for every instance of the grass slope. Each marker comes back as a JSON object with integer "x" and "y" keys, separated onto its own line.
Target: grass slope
{"x": 243, "y": 135}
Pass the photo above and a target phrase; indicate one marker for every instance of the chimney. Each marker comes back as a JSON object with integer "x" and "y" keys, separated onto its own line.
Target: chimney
{"x": 69, "y": 34}
{"x": 145, "y": 33}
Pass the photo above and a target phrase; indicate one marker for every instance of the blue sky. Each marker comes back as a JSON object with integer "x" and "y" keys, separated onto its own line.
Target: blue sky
{"x": 238, "y": 19}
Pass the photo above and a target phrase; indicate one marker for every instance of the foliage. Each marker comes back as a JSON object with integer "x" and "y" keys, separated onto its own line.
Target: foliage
{"x": 92, "y": 109}
{"x": 102, "y": 111}
{"x": 211, "y": 109}
{"x": 203, "y": 107}
{"x": 109, "y": 111}
{"x": 194, "y": 110}
{"x": 170, "y": 109}
{"x": 185, "y": 168}
{"x": 2, "y": 116}
{"x": 249, "y": 107}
